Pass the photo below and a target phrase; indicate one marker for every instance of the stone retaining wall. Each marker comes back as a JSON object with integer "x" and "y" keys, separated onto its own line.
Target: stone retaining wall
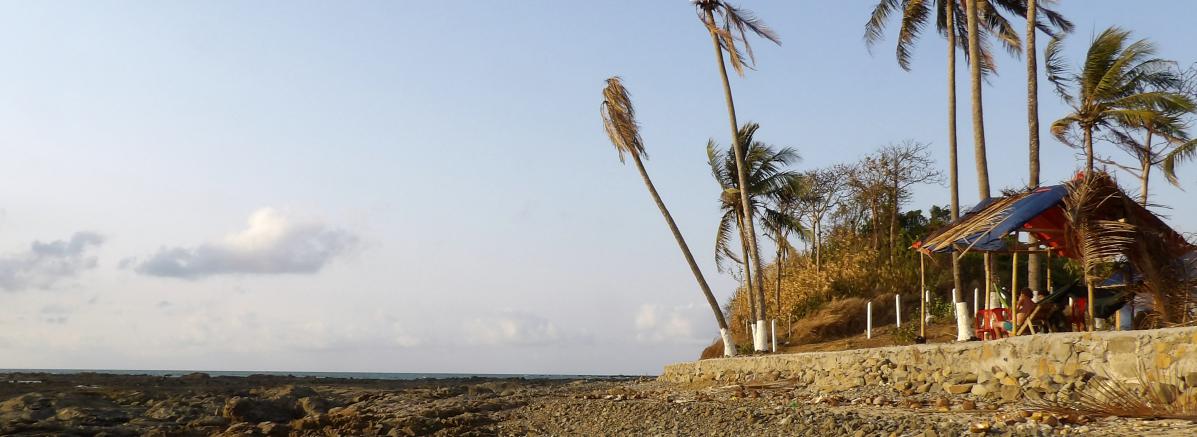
{"x": 1008, "y": 369}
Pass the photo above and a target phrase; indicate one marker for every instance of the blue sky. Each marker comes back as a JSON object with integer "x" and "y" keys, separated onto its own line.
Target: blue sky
{"x": 402, "y": 186}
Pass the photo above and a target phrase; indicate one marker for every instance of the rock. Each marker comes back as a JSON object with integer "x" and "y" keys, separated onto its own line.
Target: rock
{"x": 312, "y": 405}
{"x": 288, "y": 392}
{"x": 959, "y": 389}
{"x": 195, "y": 376}
{"x": 979, "y": 428}
{"x": 786, "y": 420}
{"x": 255, "y": 410}
{"x": 27, "y": 408}
{"x": 208, "y": 421}
{"x": 979, "y": 390}
{"x": 1009, "y": 381}
{"x": 1010, "y": 392}
{"x": 968, "y": 405}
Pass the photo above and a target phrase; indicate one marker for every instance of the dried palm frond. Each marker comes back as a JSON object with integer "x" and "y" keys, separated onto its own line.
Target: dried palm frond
{"x": 1095, "y": 238}
{"x": 978, "y": 223}
{"x": 1148, "y": 396}
{"x": 619, "y": 119}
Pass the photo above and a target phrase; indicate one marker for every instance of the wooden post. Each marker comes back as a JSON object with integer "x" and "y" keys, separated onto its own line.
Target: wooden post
{"x": 1092, "y": 317}
{"x": 1013, "y": 289}
{"x": 1049, "y": 271}
{"x": 922, "y": 297}
{"x": 988, "y": 286}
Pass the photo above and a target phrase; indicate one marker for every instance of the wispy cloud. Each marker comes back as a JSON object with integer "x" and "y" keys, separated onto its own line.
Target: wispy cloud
{"x": 46, "y": 264}
{"x": 656, "y": 324}
{"x": 272, "y": 243}
{"x": 516, "y": 328}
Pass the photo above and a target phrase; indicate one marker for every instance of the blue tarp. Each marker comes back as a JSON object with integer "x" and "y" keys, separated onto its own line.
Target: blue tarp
{"x": 1016, "y": 214}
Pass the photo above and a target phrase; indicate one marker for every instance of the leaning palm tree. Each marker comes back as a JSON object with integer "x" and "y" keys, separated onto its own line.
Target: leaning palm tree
{"x": 1120, "y": 84}
{"x": 619, "y": 119}
{"x": 731, "y": 28}
{"x": 769, "y": 185}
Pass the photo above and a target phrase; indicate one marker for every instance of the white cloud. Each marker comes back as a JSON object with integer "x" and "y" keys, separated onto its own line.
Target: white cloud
{"x": 46, "y": 264}
{"x": 655, "y": 324}
{"x": 272, "y": 243}
{"x": 514, "y": 328}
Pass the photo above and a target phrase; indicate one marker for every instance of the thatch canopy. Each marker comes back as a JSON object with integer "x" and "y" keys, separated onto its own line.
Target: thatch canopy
{"x": 1091, "y": 220}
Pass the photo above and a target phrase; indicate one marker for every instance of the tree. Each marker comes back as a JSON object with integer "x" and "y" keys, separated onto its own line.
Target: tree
{"x": 1034, "y": 26}
{"x": 619, "y": 120}
{"x": 736, "y": 25}
{"x": 1119, "y": 85}
{"x": 821, "y": 192}
{"x": 1187, "y": 151}
{"x": 949, "y": 19}
{"x": 974, "y": 68}
{"x": 770, "y": 184}
{"x": 904, "y": 165}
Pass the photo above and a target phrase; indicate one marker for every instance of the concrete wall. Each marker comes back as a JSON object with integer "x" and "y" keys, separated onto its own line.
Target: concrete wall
{"x": 1033, "y": 365}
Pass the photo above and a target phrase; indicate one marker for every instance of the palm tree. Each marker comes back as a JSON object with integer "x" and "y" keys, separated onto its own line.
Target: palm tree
{"x": 736, "y": 25}
{"x": 1185, "y": 152}
{"x": 1120, "y": 85}
{"x": 1150, "y": 153}
{"x": 974, "y": 69}
{"x": 1034, "y": 26}
{"x": 769, "y": 187}
{"x": 948, "y": 22}
{"x": 619, "y": 119}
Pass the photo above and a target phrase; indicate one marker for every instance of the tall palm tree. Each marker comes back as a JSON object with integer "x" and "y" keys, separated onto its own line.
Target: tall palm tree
{"x": 1119, "y": 85}
{"x": 769, "y": 185}
{"x": 1034, "y": 26}
{"x": 974, "y": 70}
{"x": 619, "y": 120}
{"x": 731, "y": 28}
{"x": 949, "y": 19}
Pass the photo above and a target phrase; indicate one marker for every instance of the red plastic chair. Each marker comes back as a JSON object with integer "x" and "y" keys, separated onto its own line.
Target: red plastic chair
{"x": 1080, "y": 314}
{"x": 989, "y": 323}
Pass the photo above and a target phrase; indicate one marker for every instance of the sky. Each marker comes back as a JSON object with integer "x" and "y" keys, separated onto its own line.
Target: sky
{"x": 393, "y": 186}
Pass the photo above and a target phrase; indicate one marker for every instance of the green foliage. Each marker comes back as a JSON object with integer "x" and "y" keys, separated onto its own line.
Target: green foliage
{"x": 906, "y": 333}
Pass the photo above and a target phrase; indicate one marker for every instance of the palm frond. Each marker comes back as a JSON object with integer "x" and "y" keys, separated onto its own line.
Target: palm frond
{"x": 1182, "y": 153}
{"x": 875, "y": 27}
{"x": 619, "y": 119}
{"x": 1057, "y": 68}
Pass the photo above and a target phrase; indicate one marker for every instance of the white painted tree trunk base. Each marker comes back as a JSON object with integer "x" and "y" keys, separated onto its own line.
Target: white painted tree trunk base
{"x": 963, "y": 324}
{"x": 760, "y": 337}
{"x": 729, "y": 346}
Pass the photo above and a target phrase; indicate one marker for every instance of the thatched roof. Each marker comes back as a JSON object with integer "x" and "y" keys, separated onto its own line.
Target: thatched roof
{"x": 1042, "y": 212}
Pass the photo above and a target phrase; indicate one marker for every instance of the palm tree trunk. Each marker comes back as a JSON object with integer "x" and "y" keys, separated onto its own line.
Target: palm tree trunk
{"x": 1145, "y": 170}
{"x": 748, "y": 283}
{"x": 974, "y": 56}
{"x": 729, "y": 348}
{"x": 745, "y": 203}
{"x": 780, "y": 266}
{"x": 1088, "y": 150}
{"x": 953, "y": 170}
{"x": 1034, "y": 260}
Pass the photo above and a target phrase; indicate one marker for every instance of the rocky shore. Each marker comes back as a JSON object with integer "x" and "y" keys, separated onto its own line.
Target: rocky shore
{"x": 200, "y": 405}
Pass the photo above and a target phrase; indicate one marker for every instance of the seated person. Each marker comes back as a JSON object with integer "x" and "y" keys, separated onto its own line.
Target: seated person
{"x": 1024, "y": 308}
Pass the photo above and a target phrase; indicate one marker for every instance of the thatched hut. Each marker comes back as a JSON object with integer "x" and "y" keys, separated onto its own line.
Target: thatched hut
{"x": 1092, "y": 221}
